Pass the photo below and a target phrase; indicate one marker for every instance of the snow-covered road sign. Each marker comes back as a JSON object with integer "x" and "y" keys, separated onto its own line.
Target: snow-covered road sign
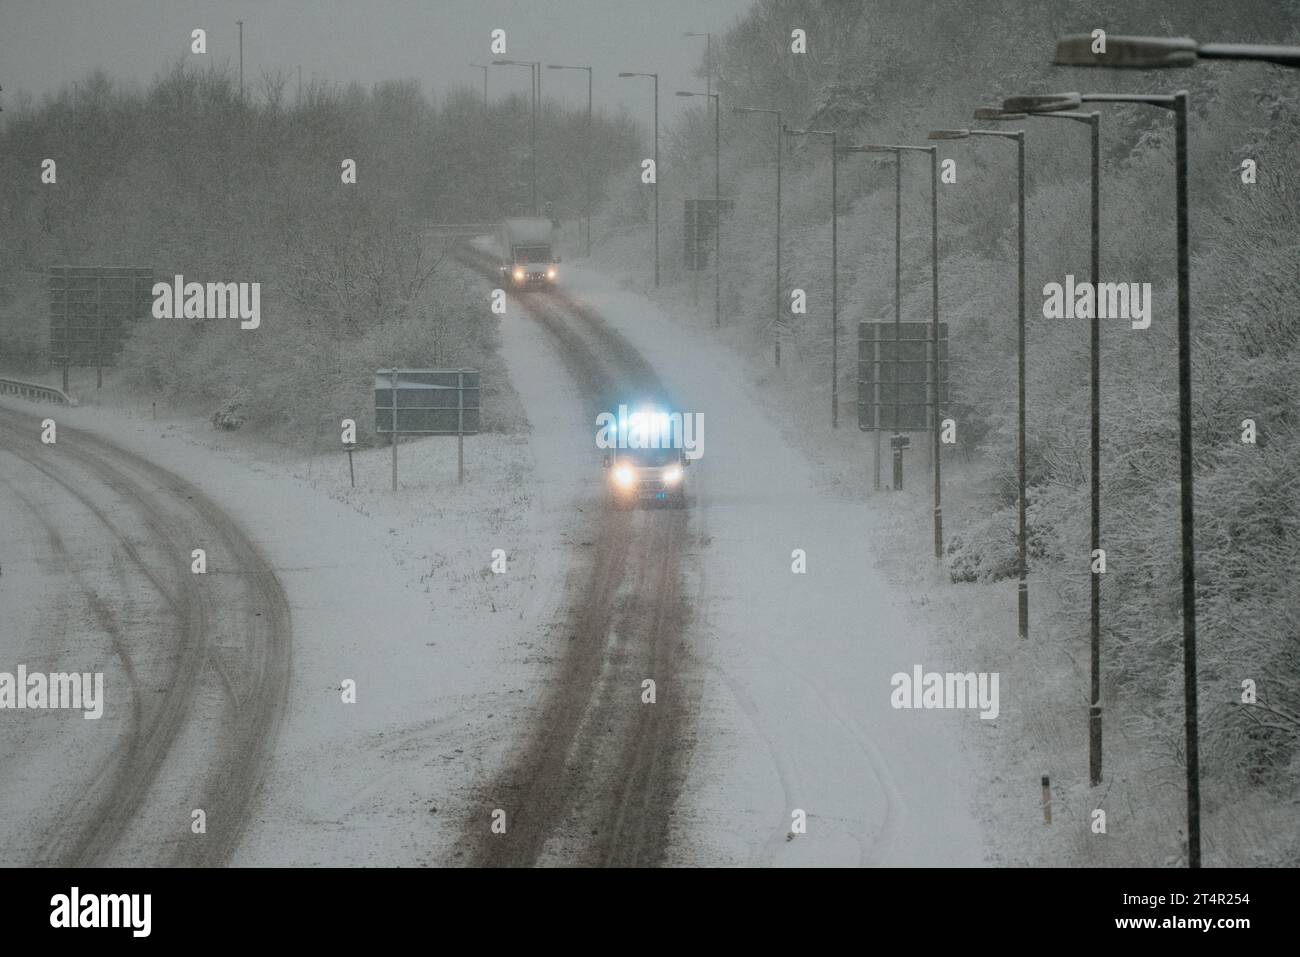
{"x": 427, "y": 401}
{"x": 92, "y": 309}
{"x": 700, "y": 219}
{"x": 894, "y": 378}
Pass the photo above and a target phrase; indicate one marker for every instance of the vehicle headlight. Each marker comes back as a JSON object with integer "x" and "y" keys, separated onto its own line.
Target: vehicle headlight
{"x": 625, "y": 476}
{"x": 672, "y": 475}
{"x": 550, "y": 272}
{"x": 519, "y": 274}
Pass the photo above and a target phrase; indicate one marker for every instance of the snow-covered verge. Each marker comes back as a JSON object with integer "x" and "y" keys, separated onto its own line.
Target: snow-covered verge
{"x": 1045, "y": 729}
{"x": 395, "y": 592}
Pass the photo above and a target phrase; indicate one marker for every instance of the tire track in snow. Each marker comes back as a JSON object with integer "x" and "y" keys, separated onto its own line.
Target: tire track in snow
{"x": 246, "y": 599}
{"x": 595, "y": 781}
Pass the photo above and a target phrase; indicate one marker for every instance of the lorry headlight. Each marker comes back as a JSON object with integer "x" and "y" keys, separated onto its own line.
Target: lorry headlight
{"x": 519, "y": 274}
{"x": 624, "y": 476}
{"x": 672, "y": 475}
{"x": 550, "y": 272}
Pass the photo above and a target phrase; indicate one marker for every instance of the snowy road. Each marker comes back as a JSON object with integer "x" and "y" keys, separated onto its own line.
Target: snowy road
{"x": 196, "y": 666}
{"x": 796, "y": 689}
{"x": 594, "y": 782}
{"x": 780, "y": 682}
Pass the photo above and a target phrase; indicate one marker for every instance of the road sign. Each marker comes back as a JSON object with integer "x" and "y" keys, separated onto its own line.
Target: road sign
{"x": 701, "y": 221}
{"x": 897, "y": 375}
{"x": 428, "y": 402}
{"x": 92, "y": 307}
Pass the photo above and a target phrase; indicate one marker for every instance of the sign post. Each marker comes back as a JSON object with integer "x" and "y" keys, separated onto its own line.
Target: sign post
{"x": 896, "y": 387}
{"x": 99, "y": 335}
{"x": 394, "y": 428}
{"x": 701, "y": 219}
{"x": 460, "y": 438}
{"x": 898, "y": 443}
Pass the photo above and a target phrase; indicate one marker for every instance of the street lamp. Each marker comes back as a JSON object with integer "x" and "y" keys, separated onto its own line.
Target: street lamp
{"x": 835, "y": 304}
{"x": 708, "y": 58}
{"x": 655, "y": 77}
{"x": 477, "y": 66}
{"x": 1177, "y": 103}
{"x": 1145, "y": 53}
{"x": 777, "y": 299}
{"x": 898, "y": 294}
{"x": 553, "y": 66}
{"x": 536, "y": 68}
{"x": 1019, "y": 137}
{"x": 1093, "y": 122}
{"x": 934, "y": 305}
{"x": 717, "y": 201}
{"x": 241, "y": 59}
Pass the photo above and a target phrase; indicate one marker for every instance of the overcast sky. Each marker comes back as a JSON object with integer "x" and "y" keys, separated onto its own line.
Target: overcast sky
{"x": 47, "y": 43}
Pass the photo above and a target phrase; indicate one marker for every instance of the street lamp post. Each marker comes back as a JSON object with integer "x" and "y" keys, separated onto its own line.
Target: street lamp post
{"x": 537, "y": 83}
{"x": 1177, "y": 103}
{"x": 708, "y": 58}
{"x": 717, "y": 202}
{"x": 1151, "y": 53}
{"x": 934, "y": 304}
{"x": 484, "y": 68}
{"x": 655, "y": 77}
{"x": 554, "y": 66}
{"x": 835, "y": 303}
{"x": 776, "y": 317}
{"x": 898, "y": 309}
{"x": 1093, "y": 122}
{"x": 1019, "y": 137}
{"x": 241, "y": 59}
{"x": 536, "y": 90}
{"x": 1145, "y": 53}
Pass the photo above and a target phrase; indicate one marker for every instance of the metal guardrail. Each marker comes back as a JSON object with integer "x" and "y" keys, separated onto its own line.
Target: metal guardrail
{"x": 34, "y": 391}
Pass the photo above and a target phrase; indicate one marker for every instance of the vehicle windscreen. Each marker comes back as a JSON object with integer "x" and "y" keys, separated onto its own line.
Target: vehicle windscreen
{"x": 532, "y": 254}
{"x": 653, "y": 457}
